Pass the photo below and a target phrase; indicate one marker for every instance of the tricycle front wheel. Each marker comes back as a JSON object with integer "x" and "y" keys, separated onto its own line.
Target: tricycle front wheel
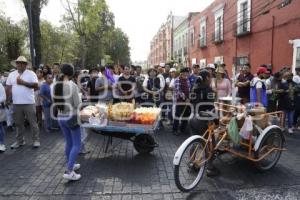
{"x": 144, "y": 144}
{"x": 190, "y": 170}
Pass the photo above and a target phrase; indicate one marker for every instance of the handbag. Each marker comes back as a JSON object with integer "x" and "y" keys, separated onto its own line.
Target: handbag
{"x": 73, "y": 122}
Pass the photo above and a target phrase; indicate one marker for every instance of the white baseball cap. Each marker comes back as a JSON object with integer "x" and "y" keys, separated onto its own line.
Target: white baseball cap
{"x": 173, "y": 70}
{"x": 212, "y": 66}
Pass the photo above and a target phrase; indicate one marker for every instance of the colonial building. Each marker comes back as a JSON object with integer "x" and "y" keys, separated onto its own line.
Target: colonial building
{"x": 161, "y": 46}
{"x": 181, "y": 41}
{"x": 242, "y": 31}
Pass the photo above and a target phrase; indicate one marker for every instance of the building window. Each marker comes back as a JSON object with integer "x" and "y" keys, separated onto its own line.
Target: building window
{"x": 194, "y": 61}
{"x": 243, "y": 17}
{"x": 218, "y": 32}
{"x": 187, "y": 39}
{"x": 192, "y": 36}
{"x": 202, "y": 63}
{"x": 203, "y": 33}
{"x": 242, "y": 60}
{"x": 180, "y": 43}
{"x": 218, "y": 28}
{"x": 219, "y": 60}
{"x": 298, "y": 57}
{"x": 219, "y": 23}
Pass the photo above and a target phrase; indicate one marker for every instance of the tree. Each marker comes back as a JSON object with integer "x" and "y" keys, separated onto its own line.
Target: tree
{"x": 92, "y": 21}
{"x": 33, "y": 9}
{"x": 12, "y": 38}
{"x": 119, "y": 47}
{"x": 57, "y": 44}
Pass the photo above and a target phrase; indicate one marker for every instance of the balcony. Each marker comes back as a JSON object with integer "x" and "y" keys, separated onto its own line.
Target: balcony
{"x": 217, "y": 37}
{"x": 242, "y": 28}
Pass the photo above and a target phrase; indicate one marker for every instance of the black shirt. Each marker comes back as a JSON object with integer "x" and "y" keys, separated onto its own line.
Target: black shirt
{"x": 244, "y": 92}
{"x": 93, "y": 93}
{"x": 125, "y": 83}
{"x": 205, "y": 95}
{"x": 286, "y": 99}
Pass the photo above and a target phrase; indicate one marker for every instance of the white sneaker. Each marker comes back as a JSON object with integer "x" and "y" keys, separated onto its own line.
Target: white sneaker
{"x": 290, "y": 130}
{"x": 72, "y": 176}
{"x": 76, "y": 167}
{"x": 36, "y": 144}
{"x": 16, "y": 145}
{"x": 2, "y": 148}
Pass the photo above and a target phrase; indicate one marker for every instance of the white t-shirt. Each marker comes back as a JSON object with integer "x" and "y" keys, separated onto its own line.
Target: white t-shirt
{"x": 268, "y": 85}
{"x": 20, "y": 93}
{"x": 171, "y": 82}
{"x": 258, "y": 81}
{"x": 296, "y": 79}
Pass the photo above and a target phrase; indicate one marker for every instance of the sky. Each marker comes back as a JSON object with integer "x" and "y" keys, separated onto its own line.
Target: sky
{"x": 139, "y": 19}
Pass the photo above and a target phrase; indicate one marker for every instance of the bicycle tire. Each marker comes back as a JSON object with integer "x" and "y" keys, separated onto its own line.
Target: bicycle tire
{"x": 261, "y": 165}
{"x": 200, "y": 172}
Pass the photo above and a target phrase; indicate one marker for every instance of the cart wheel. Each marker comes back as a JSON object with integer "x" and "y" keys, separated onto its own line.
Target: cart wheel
{"x": 274, "y": 138}
{"x": 144, "y": 144}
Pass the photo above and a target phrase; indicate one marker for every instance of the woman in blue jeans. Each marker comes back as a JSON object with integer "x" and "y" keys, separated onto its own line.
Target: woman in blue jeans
{"x": 67, "y": 100}
{"x": 2, "y": 117}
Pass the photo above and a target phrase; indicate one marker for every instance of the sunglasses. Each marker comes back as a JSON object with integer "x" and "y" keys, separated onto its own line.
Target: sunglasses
{"x": 18, "y": 62}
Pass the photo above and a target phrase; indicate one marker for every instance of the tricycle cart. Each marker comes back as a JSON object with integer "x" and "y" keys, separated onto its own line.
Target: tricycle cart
{"x": 263, "y": 146}
{"x": 140, "y": 135}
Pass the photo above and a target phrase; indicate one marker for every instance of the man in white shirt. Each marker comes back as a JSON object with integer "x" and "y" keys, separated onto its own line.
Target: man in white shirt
{"x": 21, "y": 85}
{"x": 296, "y": 78}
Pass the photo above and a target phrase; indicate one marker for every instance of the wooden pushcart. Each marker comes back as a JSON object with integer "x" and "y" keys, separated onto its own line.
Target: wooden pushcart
{"x": 142, "y": 136}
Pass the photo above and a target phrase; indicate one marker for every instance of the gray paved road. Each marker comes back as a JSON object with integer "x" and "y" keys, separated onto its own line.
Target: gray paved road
{"x": 29, "y": 173}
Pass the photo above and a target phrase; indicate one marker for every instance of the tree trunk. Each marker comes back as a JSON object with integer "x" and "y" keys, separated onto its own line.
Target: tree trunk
{"x": 35, "y": 14}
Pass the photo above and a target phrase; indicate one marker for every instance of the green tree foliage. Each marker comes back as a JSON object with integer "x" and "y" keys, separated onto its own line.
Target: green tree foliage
{"x": 94, "y": 24}
{"x": 87, "y": 36}
{"x": 12, "y": 40}
{"x": 119, "y": 47}
{"x": 58, "y": 45}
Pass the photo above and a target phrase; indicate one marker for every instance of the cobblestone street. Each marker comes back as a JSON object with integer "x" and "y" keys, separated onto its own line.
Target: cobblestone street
{"x": 121, "y": 173}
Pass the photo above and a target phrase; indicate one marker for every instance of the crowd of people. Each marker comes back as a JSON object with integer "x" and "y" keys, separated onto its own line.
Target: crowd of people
{"x": 43, "y": 98}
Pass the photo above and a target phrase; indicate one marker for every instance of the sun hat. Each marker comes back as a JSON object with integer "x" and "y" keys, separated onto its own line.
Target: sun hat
{"x": 20, "y": 59}
{"x": 220, "y": 70}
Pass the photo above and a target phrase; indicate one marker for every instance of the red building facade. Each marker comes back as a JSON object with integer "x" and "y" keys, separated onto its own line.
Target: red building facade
{"x": 161, "y": 44}
{"x": 242, "y": 31}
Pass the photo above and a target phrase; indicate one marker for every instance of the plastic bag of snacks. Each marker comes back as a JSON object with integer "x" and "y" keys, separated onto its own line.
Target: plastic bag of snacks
{"x": 246, "y": 129}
